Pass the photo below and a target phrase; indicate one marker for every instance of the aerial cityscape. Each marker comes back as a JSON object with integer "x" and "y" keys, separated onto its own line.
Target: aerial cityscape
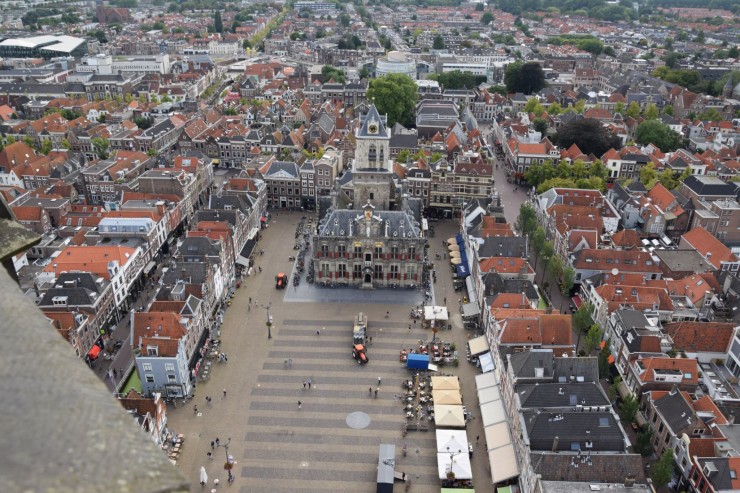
{"x": 370, "y": 245}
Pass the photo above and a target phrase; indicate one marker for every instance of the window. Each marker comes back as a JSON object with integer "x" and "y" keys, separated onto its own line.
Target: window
{"x": 152, "y": 351}
{"x": 341, "y": 270}
{"x": 394, "y": 272}
{"x": 169, "y": 367}
{"x": 378, "y": 272}
{"x": 378, "y": 252}
{"x": 342, "y": 250}
{"x": 412, "y": 252}
{"x": 171, "y": 377}
{"x": 324, "y": 250}
{"x": 394, "y": 251}
{"x": 146, "y": 367}
{"x": 357, "y": 271}
{"x": 149, "y": 378}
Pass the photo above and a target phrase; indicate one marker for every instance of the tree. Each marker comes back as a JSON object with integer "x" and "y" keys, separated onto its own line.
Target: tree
{"x": 567, "y": 280}
{"x": 486, "y": 18}
{"x": 657, "y": 133}
{"x": 537, "y": 243}
{"x": 364, "y": 73}
{"x": 555, "y": 108}
{"x": 524, "y": 77}
{"x": 663, "y": 469}
{"x": 66, "y": 144}
{"x": 534, "y": 106}
{"x": 46, "y": 147}
{"x": 403, "y": 156}
{"x": 328, "y": 72}
{"x": 438, "y": 43}
{"x": 218, "y": 24}
{"x": 479, "y": 7}
{"x": 648, "y": 175}
{"x": 710, "y": 114}
{"x": 555, "y": 265}
{"x": 395, "y": 95}
{"x": 582, "y": 317}
{"x": 628, "y": 409}
{"x": 100, "y": 147}
{"x": 644, "y": 443}
{"x": 651, "y": 112}
{"x": 540, "y": 125}
{"x": 589, "y": 135}
{"x": 456, "y": 79}
{"x": 593, "y": 338}
{"x": 526, "y": 223}
{"x": 546, "y": 254}
{"x": 633, "y": 110}
{"x": 619, "y": 107}
{"x": 344, "y": 20}
{"x": 603, "y": 361}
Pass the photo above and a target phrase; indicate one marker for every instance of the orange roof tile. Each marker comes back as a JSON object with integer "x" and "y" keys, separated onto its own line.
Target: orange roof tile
{"x": 705, "y": 243}
{"x": 712, "y": 337}
{"x": 94, "y": 259}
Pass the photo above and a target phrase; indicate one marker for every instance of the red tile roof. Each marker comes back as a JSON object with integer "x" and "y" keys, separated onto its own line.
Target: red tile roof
{"x": 709, "y": 246}
{"x": 711, "y": 337}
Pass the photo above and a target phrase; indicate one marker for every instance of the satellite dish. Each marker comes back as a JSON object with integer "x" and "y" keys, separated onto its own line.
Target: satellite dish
{"x": 615, "y": 271}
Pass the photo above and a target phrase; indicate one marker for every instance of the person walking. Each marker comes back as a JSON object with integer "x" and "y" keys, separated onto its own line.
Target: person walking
{"x": 300, "y": 404}
{"x": 309, "y": 383}
{"x": 195, "y": 409}
{"x": 318, "y": 333}
{"x": 210, "y": 455}
{"x": 370, "y": 392}
{"x": 218, "y": 442}
{"x": 224, "y": 397}
{"x": 477, "y": 438}
{"x": 213, "y": 445}
{"x": 304, "y": 384}
{"x": 379, "y": 380}
{"x": 387, "y": 314}
{"x": 376, "y": 393}
{"x": 250, "y": 301}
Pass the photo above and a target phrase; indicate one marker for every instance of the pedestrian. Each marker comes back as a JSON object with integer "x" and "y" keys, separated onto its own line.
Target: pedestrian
{"x": 210, "y": 455}
{"x": 379, "y": 380}
{"x": 371, "y": 341}
{"x": 409, "y": 326}
{"x": 226, "y": 358}
{"x": 218, "y": 442}
{"x": 387, "y": 314}
{"x": 370, "y": 391}
{"x": 213, "y": 445}
{"x": 414, "y": 322}
{"x": 444, "y": 300}
{"x": 195, "y": 409}
{"x": 290, "y": 363}
{"x": 317, "y": 332}
{"x": 309, "y": 382}
{"x": 477, "y": 438}
{"x": 299, "y": 404}
{"x": 304, "y": 384}
{"x": 260, "y": 268}
{"x": 376, "y": 393}
{"x": 224, "y": 394}
{"x": 250, "y": 300}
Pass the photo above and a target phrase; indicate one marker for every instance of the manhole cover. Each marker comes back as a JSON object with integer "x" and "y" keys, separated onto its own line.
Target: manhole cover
{"x": 358, "y": 420}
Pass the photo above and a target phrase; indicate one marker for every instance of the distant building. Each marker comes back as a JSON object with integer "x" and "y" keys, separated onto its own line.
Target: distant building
{"x": 106, "y": 14}
{"x": 396, "y": 62}
{"x": 45, "y": 46}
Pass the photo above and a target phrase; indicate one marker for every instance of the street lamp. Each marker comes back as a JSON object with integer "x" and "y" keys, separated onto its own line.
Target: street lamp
{"x": 229, "y": 464}
{"x": 452, "y": 460}
{"x": 269, "y": 320}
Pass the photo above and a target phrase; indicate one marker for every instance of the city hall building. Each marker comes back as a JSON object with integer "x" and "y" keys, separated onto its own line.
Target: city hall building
{"x": 371, "y": 244}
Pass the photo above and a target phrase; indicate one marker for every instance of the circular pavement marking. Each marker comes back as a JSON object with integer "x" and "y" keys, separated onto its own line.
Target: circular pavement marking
{"x": 358, "y": 420}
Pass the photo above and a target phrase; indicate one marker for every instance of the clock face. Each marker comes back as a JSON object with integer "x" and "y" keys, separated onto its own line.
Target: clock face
{"x": 372, "y": 128}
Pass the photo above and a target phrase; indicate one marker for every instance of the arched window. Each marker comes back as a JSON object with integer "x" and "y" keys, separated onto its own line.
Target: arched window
{"x": 382, "y": 156}
{"x": 372, "y": 153}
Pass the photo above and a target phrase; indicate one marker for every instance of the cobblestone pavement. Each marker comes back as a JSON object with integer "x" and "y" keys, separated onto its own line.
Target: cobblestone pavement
{"x": 322, "y": 446}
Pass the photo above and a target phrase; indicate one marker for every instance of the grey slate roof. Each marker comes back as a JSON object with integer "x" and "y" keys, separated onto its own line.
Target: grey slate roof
{"x": 565, "y": 368}
{"x": 190, "y": 272}
{"x": 372, "y": 115}
{"x": 560, "y": 395}
{"x": 610, "y": 468}
{"x": 283, "y": 169}
{"x": 347, "y": 223}
{"x": 676, "y": 412}
{"x": 499, "y": 246}
{"x": 523, "y": 364}
{"x": 574, "y": 431}
{"x": 493, "y": 284}
{"x": 709, "y": 185}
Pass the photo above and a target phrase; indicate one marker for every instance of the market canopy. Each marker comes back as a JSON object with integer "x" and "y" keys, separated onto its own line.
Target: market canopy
{"x": 450, "y": 397}
{"x": 489, "y": 394}
{"x": 497, "y": 435}
{"x": 462, "y": 268}
{"x": 446, "y": 416}
{"x": 455, "y": 254}
{"x": 455, "y": 260}
{"x": 486, "y": 362}
{"x": 479, "y": 345}
{"x": 470, "y": 310}
{"x": 454, "y": 248}
{"x": 492, "y": 413}
{"x": 436, "y": 313}
{"x": 451, "y": 241}
{"x": 503, "y": 463}
{"x": 458, "y": 463}
{"x": 94, "y": 352}
{"x": 445, "y": 383}
{"x": 486, "y": 380}
{"x": 454, "y": 439}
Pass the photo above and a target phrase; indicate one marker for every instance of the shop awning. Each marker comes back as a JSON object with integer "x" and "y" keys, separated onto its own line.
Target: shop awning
{"x": 462, "y": 270}
{"x": 470, "y": 309}
{"x": 470, "y": 287}
{"x": 489, "y": 394}
{"x": 497, "y": 435}
{"x": 263, "y": 219}
{"x": 503, "y": 463}
{"x": 479, "y": 345}
{"x": 459, "y": 239}
{"x": 94, "y": 352}
{"x": 486, "y": 380}
{"x": 149, "y": 268}
{"x": 246, "y": 252}
{"x": 577, "y": 301}
{"x": 486, "y": 362}
{"x": 492, "y": 413}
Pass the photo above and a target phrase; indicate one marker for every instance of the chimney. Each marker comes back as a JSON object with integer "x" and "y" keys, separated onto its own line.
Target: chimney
{"x": 524, "y": 299}
{"x": 555, "y": 444}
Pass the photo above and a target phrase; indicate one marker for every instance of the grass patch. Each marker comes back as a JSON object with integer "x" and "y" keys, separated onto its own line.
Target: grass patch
{"x": 133, "y": 382}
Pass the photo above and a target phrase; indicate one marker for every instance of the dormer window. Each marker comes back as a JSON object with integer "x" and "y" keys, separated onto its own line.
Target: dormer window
{"x": 152, "y": 350}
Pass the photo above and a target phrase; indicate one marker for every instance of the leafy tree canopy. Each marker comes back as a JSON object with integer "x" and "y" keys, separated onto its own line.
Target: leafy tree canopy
{"x": 657, "y": 133}
{"x": 458, "y": 80}
{"x": 328, "y": 72}
{"x": 589, "y": 135}
{"x": 524, "y": 77}
{"x": 395, "y": 95}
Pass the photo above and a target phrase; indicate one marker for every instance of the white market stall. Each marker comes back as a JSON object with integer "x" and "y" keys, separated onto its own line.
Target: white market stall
{"x": 454, "y": 439}
{"x": 492, "y": 413}
{"x": 457, "y": 462}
